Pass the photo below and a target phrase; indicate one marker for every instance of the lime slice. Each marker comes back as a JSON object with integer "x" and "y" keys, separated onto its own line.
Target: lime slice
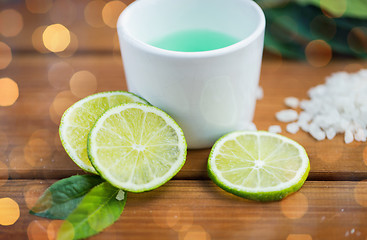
{"x": 77, "y": 121}
{"x": 136, "y": 147}
{"x": 259, "y": 165}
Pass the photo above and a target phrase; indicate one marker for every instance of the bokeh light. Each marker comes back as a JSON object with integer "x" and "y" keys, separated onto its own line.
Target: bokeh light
{"x": 47, "y": 201}
{"x": 294, "y": 206}
{"x": 360, "y": 193}
{"x": 71, "y": 48}
{"x": 318, "y": 53}
{"x": 11, "y": 23}
{"x": 37, "y": 39}
{"x": 59, "y": 75}
{"x": 38, "y": 6}
{"x": 37, "y": 230}
{"x": 357, "y": 39}
{"x": 67, "y": 230}
{"x": 32, "y": 193}
{"x": 195, "y": 232}
{"x": 43, "y": 133}
{"x": 56, "y": 38}
{"x": 17, "y": 161}
{"x": 111, "y": 12}
{"x": 179, "y": 219}
{"x": 83, "y": 83}
{"x": 61, "y": 102}
{"x": 3, "y": 142}
{"x": 53, "y": 229}
{"x": 328, "y": 154}
{"x": 63, "y": 12}
{"x": 9, "y": 92}
{"x": 93, "y": 13}
{"x": 323, "y": 27}
{"x": 339, "y": 7}
{"x": 55, "y": 118}
{"x": 37, "y": 152}
{"x": 9, "y": 211}
{"x": 299, "y": 237}
{"x": 159, "y": 217}
{"x": 5, "y": 55}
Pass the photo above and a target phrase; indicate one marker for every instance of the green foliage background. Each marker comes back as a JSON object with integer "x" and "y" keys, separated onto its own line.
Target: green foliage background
{"x": 292, "y": 24}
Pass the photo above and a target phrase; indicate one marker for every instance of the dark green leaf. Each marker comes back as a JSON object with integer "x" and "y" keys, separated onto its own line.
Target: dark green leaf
{"x": 98, "y": 210}
{"x": 350, "y": 8}
{"x": 292, "y": 26}
{"x": 62, "y": 197}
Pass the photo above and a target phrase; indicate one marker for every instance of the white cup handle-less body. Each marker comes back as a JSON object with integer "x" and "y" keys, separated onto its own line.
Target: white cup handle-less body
{"x": 208, "y": 93}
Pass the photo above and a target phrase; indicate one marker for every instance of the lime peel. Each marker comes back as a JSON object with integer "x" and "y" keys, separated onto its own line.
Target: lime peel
{"x": 137, "y": 158}
{"x": 273, "y": 192}
{"x": 74, "y": 135}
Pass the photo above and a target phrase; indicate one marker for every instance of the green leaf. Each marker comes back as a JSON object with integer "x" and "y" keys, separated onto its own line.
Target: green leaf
{"x": 98, "y": 210}
{"x": 291, "y": 27}
{"x": 62, "y": 197}
{"x": 350, "y": 8}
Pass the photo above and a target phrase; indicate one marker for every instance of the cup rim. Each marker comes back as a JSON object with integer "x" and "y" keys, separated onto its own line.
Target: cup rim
{"x": 170, "y": 53}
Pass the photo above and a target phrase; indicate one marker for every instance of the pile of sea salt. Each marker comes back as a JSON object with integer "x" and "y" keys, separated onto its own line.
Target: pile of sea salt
{"x": 338, "y": 106}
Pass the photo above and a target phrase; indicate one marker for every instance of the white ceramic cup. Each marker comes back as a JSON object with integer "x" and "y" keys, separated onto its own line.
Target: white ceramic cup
{"x": 208, "y": 93}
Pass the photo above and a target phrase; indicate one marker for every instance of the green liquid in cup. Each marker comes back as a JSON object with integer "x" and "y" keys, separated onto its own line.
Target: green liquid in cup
{"x": 196, "y": 40}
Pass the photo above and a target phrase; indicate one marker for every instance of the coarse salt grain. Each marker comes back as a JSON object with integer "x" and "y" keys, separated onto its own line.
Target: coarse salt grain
{"x": 316, "y": 132}
{"x": 304, "y": 126}
{"x": 337, "y": 106}
{"x": 304, "y": 117}
{"x": 275, "y": 129}
{"x": 291, "y": 102}
{"x": 292, "y": 128}
{"x": 330, "y": 133}
{"x": 288, "y": 115}
{"x": 360, "y": 135}
{"x": 348, "y": 137}
{"x": 250, "y": 127}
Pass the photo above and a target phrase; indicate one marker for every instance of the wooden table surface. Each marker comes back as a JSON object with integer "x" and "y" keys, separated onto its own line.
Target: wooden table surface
{"x": 331, "y": 205}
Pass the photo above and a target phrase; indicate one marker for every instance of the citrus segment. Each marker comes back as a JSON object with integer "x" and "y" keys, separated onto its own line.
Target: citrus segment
{"x": 259, "y": 165}
{"x": 136, "y": 147}
{"x": 77, "y": 121}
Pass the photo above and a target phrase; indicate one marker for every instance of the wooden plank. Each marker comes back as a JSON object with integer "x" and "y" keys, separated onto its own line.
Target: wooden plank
{"x": 33, "y": 116}
{"x": 70, "y": 14}
{"x": 190, "y": 209}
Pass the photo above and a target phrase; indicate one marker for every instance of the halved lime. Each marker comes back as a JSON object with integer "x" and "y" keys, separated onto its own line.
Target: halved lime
{"x": 258, "y": 165}
{"x": 136, "y": 147}
{"x": 77, "y": 121}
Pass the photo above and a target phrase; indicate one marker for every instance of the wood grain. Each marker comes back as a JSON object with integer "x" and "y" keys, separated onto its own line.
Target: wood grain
{"x": 71, "y": 14}
{"x": 179, "y": 209}
{"x": 331, "y": 205}
{"x": 330, "y": 159}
